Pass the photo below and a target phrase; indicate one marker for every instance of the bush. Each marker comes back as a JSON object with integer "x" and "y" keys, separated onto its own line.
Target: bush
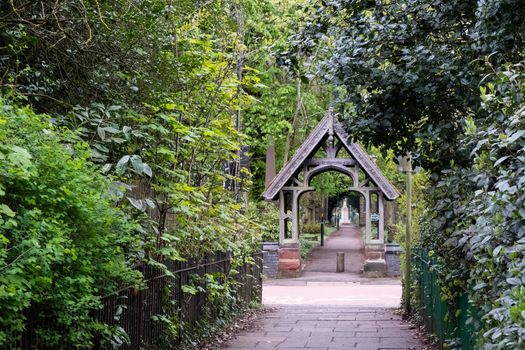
{"x": 476, "y": 219}
{"x": 306, "y": 247}
{"x": 266, "y": 214}
{"x": 64, "y": 243}
{"x": 311, "y": 228}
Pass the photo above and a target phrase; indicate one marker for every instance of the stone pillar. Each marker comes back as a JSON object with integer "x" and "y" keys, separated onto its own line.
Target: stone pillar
{"x": 392, "y": 257}
{"x": 289, "y": 260}
{"x": 368, "y": 222}
{"x": 362, "y": 211}
{"x": 381, "y": 212}
{"x": 295, "y": 216}
{"x": 375, "y": 264}
{"x": 283, "y": 216}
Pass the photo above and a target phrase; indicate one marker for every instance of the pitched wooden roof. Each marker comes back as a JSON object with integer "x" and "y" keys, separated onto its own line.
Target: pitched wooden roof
{"x": 329, "y": 125}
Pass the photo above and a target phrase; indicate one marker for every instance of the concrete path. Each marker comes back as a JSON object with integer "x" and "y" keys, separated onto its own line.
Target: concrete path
{"x": 347, "y": 240}
{"x": 374, "y": 296}
{"x": 326, "y": 310}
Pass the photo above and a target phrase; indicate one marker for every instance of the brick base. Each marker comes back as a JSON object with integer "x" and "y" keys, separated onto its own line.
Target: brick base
{"x": 374, "y": 255}
{"x": 289, "y": 261}
{"x": 374, "y": 268}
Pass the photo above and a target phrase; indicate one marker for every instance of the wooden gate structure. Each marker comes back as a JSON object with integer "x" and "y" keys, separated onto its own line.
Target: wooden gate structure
{"x": 294, "y": 180}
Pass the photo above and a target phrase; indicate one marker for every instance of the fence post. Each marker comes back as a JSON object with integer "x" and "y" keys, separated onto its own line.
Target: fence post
{"x": 322, "y": 233}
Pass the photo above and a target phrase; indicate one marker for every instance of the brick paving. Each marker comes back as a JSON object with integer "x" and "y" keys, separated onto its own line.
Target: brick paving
{"x": 328, "y": 328}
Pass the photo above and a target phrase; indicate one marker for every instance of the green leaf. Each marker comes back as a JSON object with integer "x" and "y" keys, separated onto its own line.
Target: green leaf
{"x": 516, "y": 136}
{"x": 189, "y": 289}
{"x": 4, "y": 209}
{"x": 106, "y": 167}
{"x": 137, "y": 203}
{"x": 501, "y": 160}
{"x": 137, "y": 164}
{"x": 101, "y": 133}
{"x": 497, "y": 250}
{"x": 122, "y": 163}
{"x": 147, "y": 170}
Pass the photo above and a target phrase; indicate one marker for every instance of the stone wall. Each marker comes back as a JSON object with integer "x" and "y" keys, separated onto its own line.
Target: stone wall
{"x": 271, "y": 259}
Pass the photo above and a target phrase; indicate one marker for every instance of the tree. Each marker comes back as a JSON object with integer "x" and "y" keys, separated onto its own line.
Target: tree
{"x": 411, "y": 73}
{"x": 410, "y": 69}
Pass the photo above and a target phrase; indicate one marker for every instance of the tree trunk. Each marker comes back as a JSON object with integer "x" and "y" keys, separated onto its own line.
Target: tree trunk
{"x": 291, "y": 134}
{"x": 237, "y": 188}
{"x": 270, "y": 162}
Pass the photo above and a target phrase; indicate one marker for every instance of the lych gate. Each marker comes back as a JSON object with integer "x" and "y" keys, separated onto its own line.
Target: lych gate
{"x": 294, "y": 180}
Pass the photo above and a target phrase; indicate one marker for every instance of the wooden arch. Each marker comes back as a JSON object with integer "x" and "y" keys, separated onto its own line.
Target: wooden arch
{"x": 294, "y": 178}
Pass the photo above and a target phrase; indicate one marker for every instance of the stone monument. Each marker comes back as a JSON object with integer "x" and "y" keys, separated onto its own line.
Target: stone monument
{"x": 345, "y": 219}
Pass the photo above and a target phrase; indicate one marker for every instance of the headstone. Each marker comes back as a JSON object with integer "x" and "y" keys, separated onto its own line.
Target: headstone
{"x": 345, "y": 218}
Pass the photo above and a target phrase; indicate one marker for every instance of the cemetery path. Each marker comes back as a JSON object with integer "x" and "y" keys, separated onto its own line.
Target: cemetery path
{"x": 347, "y": 240}
{"x": 326, "y": 310}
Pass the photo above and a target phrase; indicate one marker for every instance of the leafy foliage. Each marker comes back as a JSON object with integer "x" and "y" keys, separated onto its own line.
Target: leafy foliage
{"x": 481, "y": 216}
{"x": 409, "y": 70}
{"x": 290, "y": 101}
{"x": 64, "y": 243}
{"x": 151, "y": 90}
{"x": 410, "y": 73}
{"x": 267, "y": 216}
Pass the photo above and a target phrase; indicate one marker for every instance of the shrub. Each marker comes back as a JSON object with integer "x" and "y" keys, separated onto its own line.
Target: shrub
{"x": 311, "y": 228}
{"x": 266, "y": 215}
{"x": 476, "y": 221}
{"x": 64, "y": 243}
{"x": 306, "y": 247}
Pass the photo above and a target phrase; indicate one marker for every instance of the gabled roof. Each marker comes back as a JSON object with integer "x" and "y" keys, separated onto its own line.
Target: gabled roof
{"x": 329, "y": 125}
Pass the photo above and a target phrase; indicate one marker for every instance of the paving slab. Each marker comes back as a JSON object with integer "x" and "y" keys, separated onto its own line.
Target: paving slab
{"x": 327, "y": 310}
{"x": 347, "y": 240}
{"x": 312, "y": 332}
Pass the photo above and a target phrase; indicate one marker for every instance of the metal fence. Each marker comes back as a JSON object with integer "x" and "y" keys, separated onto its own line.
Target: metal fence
{"x": 141, "y": 313}
{"x": 446, "y": 325}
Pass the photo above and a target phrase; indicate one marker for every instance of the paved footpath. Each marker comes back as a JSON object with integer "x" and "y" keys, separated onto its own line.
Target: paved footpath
{"x": 327, "y": 310}
{"x": 328, "y": 328}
